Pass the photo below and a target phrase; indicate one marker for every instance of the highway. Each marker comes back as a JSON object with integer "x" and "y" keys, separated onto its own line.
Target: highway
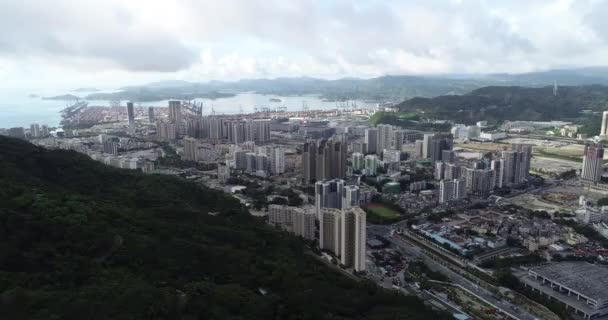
{"x": 414, "y": 251}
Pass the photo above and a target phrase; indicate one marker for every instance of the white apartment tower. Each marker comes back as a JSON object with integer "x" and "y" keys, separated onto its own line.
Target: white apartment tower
{"x": 329, "y": 230}
{"x": 353, "y": 238}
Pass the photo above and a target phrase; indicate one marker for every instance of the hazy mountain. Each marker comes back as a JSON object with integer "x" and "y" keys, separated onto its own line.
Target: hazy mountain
{"x": 384, "y": 88}
{"x": 512, "y": 103}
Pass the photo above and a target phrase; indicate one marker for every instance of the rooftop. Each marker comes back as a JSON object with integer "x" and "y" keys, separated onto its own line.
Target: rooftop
{"x": 587, "y": 279}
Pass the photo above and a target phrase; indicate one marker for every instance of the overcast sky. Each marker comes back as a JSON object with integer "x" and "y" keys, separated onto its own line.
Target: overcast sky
{"x": 116, "y": 42}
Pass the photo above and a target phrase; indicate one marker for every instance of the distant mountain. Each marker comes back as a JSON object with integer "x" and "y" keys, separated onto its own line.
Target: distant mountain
{"x": 512, "y": 103}
{"x": 65, "y": 97}
{"x": 158, "y": 94}
{"x": 572, "y": 77}
{"x": 86, "y": 90}
{"x": 385, "y": 88}
{"x": 393, "y": 88}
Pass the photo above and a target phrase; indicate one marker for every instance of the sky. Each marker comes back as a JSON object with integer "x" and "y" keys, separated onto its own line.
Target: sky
{"x": 111, "y": 43}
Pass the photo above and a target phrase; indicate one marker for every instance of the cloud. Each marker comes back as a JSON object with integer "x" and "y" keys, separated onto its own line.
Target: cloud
{"x": 61, "y": 30}
{"x": 230, "y": 39}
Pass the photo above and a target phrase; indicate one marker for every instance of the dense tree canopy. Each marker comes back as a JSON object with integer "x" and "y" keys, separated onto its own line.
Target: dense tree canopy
{"x": 79, "y": 240}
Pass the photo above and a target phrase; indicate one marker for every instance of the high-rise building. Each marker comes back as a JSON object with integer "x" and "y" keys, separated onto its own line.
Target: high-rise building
{"x": 262, "y": 130}
{"x": 371, "y": 164}
{"x": 328, "y": 194}
{"x": 479, "y": 182}
{"x": 592, "y": 163}
{"x": 514, "y": 167}
{"x": 460, "y": 191}
{"x": 453, "y": 189}
{"x": 190, "y": 149}
{"x": 277, "y": 160}
{"x": 440, "y": 170}
{"x": 446, "y": 190}
{"x": 304, "y": 223}
{"x": 350, "y": 197}
{"x": 522, "y": 169}
{"x": 438, "y": 144}
{"x": 110, "y": 147}
{"x": 44, "y": 131}
{"x": 281, "y": 216}
{"x": 451, "y": 171}
{"x": 309, "y": 162}
{"x": 194, "y": 128}
{"x": 385, "y": 137}
{"x": 16, "y": 132}
{"x": 175, "y": 112}
{"x": 223, "y": 173}
{"x": 498, "y": 166}
{"x": 604, "y": 131}
{"x": 427, "y": 141}
{"x": 35, "y": 130}
{"x": 240, "y": 159}
{"x": 151, "y": 116}
{"x": 324, "y": 159}
{"x": 357, "y": 160}
{"x": 371, "y": 140}
{"x": 166, "y": 131}
{"x": 329, "y": 230}
{"x": 419, "y": 148}
{"x": 262, "y": 164}
{"x": 131, "y": 116}
{"x": 448, "y": 156}
{"x": 215, "y": 125}
{"x": 353, "y": 237}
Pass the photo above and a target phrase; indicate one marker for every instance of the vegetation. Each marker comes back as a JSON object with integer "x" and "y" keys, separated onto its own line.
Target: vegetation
{"x": 172, "y": 159}
{"x": 378, "y": 213}
{"x": 496, "y": 104}
{"x": 80, "y": 240}
{"x": 602, "y": 202}
{"x": 507, "y": 279}
{"x": 586, "y": 230}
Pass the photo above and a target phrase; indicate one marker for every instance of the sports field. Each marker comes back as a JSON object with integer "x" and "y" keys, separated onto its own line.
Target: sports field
{"x": 383, "y": 211}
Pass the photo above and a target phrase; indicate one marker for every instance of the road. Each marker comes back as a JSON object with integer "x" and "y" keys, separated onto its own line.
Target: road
{"x": 415, "y": 251}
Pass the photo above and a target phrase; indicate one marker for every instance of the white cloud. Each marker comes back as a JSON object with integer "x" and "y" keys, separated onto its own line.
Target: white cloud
{"x": 120, "y": 42}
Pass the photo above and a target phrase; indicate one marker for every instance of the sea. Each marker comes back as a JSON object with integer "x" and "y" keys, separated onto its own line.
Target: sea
{"x": 20, "y": 108}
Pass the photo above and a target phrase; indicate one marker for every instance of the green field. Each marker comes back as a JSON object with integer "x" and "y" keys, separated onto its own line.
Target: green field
{"x": 383, "y": 212}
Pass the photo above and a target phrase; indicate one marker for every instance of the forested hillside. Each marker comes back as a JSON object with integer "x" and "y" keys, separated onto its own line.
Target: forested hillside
{"x": 79, "y": 240}
{"x": 512, "y": 103}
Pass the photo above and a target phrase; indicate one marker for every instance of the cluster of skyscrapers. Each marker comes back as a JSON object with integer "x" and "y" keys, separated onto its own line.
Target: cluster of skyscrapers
{"x": 511, "y": 167}
{"x": 324, "y": 159}
{"x": 386, "y": 137}
{"x": 435, "y": 147}
{"x": 264, "y": 160}
{"x": 216, "y": 129}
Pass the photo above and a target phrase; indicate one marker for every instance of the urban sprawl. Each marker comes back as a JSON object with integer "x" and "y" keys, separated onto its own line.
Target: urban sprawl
{"x": 492, "y": 221}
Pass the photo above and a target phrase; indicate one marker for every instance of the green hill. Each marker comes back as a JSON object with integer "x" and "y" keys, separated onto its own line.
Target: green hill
{"x": 512, "y": 103}
{"x": 80, "y": 240}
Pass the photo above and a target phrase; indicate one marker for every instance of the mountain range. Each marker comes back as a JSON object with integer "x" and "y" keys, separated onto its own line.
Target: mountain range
{"x": 385, "y": 88}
